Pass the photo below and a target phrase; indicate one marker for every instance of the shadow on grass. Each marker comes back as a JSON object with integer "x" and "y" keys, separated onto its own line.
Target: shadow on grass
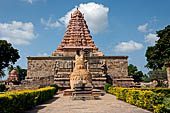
{"x": 43, "y": 105}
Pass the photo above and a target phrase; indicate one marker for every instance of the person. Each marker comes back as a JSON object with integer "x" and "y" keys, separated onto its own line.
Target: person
{"x": 166, "y": 83}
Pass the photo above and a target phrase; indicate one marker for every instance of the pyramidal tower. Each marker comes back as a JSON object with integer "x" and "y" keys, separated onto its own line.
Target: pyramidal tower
{"x": 77, "y": 37}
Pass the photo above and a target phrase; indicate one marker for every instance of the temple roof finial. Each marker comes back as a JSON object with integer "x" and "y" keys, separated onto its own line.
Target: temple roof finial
{"x": 77, "y": 7}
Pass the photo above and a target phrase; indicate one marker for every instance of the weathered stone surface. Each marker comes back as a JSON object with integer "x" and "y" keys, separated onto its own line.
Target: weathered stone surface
{"x": 38, "y": 68}
{"x": 80, "y": 72}
{"x": 13, "y": 76}
{"x": 32, "y": 83}
{"x": 61, "y": 67}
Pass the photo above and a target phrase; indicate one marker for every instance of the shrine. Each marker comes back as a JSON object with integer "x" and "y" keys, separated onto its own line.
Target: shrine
{"x": 60, "y": 64}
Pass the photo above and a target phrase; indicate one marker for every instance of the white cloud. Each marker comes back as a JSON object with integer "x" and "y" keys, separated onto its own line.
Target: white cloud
{"x": 143, "y": 28}
{"x": 151, "y": 38}
{"x": 43, "y": 54}
{"x": 17, "y": 33}
{"x": 49, "y": 23}
{"x": 30, "y": 1}
{"x": 96, "y": 16}
{"x": 16, "y": 41}
{"x": 128, "y": 46}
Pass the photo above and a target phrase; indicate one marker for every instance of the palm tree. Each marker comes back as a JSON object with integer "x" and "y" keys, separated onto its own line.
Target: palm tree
{"x": 10, "y": 68}
{"x": 2, "y": 74}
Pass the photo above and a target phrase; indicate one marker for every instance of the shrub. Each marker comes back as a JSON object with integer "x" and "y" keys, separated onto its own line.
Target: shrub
{"x": 106, "y": 86}
{"x": 56, "y": 86}
{"x": 18, "y": 101}
{"x": 166, "y": 101}
{"x": 153, "y": 99}
{"x": 112, "y": 90}
{"x": 3, "y": 88}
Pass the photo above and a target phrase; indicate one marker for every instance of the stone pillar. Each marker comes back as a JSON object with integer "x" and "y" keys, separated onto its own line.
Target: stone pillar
{"x": 167, "y": 64}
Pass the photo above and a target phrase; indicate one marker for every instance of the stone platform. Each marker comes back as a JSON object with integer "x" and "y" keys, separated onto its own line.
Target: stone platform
{"x": 64, "y": 83}
{"x": 107, "y": 104}
{"x": 95, "y": 92}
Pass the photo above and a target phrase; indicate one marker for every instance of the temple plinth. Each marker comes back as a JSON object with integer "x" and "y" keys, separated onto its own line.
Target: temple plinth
{"x": 77, "y": 37}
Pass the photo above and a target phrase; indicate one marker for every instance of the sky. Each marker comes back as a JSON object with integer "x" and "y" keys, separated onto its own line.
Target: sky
{"x": 118, "y": 27}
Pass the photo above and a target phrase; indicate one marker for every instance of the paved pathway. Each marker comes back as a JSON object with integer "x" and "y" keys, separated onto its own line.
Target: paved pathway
{"x": 107, "y": 104}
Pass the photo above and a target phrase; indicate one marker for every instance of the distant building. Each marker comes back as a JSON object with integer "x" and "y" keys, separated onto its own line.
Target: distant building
{"x": 13, "y": 77}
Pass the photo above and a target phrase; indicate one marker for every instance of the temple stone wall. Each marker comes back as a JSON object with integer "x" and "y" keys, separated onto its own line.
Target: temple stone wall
{"x": 40, "y": 66}
{"x": 62, "y": 67}
{"x": 72, "y": 52}
{"x": 116, "y": 65}
{"x": 69, "y": 52}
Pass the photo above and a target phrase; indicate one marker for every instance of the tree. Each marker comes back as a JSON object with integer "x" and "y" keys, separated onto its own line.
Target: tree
{"x": 158, "y": 54}
{"x": 21, "y": 72}
{"x": 133, "y": 71}
{"x": 145, "y": 78}
{"x": 2, "y": 74}
{"x": 8, "y": 55}
{"x": 158, "y": 74}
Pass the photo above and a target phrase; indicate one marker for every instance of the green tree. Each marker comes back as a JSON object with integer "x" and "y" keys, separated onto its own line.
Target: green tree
{"x": 2, "y": 74}
{"x": 21, "y": 72}
{"x": 133, "y": 71}
{"x": 8, "y": 55}
{"x": 158, "y": 74}
{"x": 145, "y": 78}
{"x": 158, "y": 54}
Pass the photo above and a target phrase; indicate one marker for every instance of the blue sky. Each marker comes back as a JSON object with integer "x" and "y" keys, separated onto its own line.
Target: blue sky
{"x": 118, "y": 27}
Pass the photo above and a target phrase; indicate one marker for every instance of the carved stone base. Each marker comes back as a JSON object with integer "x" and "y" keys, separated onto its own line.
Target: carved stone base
{"x": 123, "y": 81}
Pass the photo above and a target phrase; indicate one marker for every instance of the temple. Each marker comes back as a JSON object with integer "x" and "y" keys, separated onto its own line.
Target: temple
{"x": 60, "y": 65}
{"x": 77, "y": 37}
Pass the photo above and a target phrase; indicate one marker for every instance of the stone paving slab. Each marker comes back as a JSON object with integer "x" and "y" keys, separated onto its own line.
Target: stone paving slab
{"x": 107, "y": 104}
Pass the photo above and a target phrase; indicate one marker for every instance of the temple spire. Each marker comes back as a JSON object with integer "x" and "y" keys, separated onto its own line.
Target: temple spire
{"x": 76, "y": 37}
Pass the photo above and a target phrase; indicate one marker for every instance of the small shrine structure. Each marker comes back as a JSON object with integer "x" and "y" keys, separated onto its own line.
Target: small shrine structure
{"x": 13, "y": 77}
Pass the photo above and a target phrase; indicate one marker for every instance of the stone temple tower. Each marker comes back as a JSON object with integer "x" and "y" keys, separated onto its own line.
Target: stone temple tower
{"x": 77, "y": 37}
